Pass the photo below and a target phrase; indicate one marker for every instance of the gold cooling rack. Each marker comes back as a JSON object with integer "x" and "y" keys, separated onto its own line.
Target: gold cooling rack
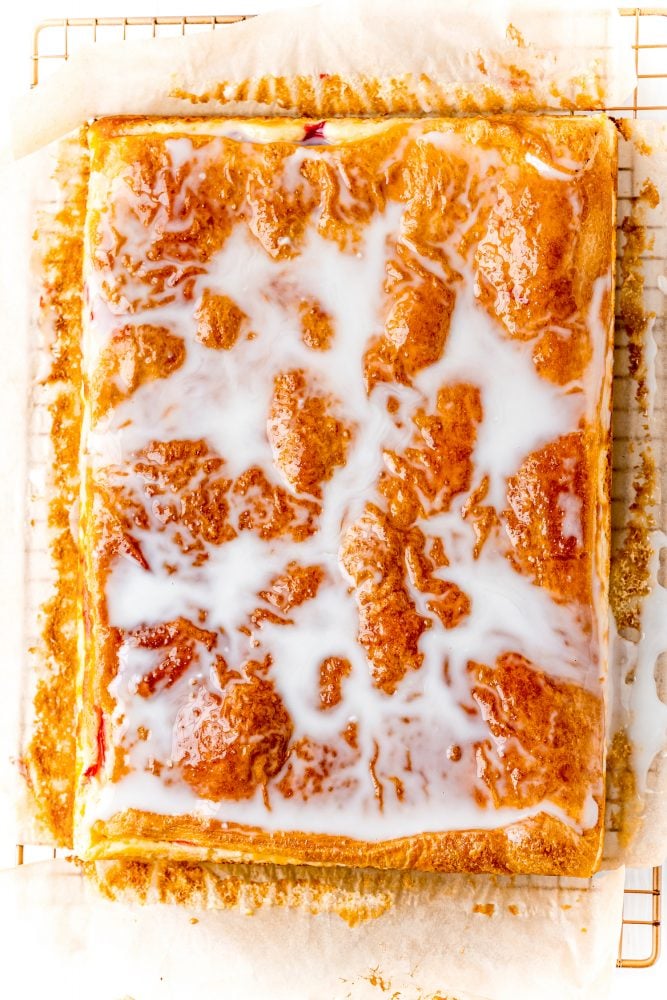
{"x": 54, "y": 40}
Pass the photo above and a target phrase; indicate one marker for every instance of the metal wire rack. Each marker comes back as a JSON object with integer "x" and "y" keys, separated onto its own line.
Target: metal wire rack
{"x": 54, "y": 41}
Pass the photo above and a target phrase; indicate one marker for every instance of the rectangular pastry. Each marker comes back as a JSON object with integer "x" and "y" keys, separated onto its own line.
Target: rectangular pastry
{"x": 344, "y": 507}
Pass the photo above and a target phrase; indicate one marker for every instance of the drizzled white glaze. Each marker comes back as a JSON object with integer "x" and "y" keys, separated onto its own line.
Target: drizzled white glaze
{"x": 222, "y": 396}
{"x": 522, "y": 412}
{"x": 546, "y": 170}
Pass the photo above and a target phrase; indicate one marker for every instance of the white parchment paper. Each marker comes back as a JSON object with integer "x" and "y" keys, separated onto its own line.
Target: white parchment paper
{"x": 560, "y": 943}
{"x": 360, "y": 56}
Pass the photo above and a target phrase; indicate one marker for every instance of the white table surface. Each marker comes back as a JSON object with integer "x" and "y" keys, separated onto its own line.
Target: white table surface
{"x": 15, "y": 75}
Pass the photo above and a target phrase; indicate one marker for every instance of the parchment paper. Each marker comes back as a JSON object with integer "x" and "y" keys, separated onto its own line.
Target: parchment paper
{"x": 17, "y": 207}
{"x": 430, "y": 943}
{"x": 369, "y": 57}
{"x": 639, "y": 654}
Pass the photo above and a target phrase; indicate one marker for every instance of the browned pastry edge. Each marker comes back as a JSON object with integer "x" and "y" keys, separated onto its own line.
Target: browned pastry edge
{"x": 336, "y": 95}
{"x": 541, "y": 845}
{"x": 48, "y": 761}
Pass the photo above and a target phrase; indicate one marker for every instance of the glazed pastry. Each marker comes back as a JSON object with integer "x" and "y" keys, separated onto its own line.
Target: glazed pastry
{"x": 344, "y": 503}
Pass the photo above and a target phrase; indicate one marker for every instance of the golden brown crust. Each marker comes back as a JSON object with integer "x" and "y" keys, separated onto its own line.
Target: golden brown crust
{"x": 219, "y": 321}
{"x": 438, "y": 466}
{"x": 49, "y": 759}
{"x": 415, "y": 328}
{"x": 536, "y": 520}
{"x": 540, "y": 845}
{"x": 389, "y": 624}
{"x": 535, "y": 721}
{"x": 307, "y": 439}
{"x": 136, "y": 355}
{"x": 333, "y": 670}
{"x": 231, "y": 744}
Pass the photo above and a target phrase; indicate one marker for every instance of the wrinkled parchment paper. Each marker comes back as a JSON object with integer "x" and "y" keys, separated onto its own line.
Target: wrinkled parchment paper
{"x": 438, "y": 941}
{"x": 368, "y": 57}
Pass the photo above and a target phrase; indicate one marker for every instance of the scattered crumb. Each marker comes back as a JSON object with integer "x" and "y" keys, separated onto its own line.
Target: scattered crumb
{"x": 623, "y": 804}
{"x": 245, "y": 888}
{"x": 649, "y": 193}
{"x": 624, "y": 126}
{"x": 376, "y": 979}
{"x": 488, "y": 909}
{"x": 629, "y": 578}
{"x": 514, "y": 35}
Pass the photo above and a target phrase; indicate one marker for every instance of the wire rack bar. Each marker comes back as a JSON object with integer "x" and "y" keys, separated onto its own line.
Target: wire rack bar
{"x": 93, "y": 23}
{"x": 87, "y": 29}
{"x": 651, "y": 900}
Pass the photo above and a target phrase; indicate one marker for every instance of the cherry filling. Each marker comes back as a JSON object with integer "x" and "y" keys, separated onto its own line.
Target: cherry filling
{"x": 98, "y": 763}
{"x": 313, "y": 133}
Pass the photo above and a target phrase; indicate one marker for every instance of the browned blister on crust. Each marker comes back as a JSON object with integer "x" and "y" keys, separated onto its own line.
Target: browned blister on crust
{"x": 228, "y": 745}
{"x": 550, "y": 485}
{"x": 540, "y": 732}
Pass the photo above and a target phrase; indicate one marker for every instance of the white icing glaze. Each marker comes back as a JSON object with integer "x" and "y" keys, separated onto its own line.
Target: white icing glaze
{"x": 222, "y": 396}
{"x": 522, "y": 412}
{"x": 571, "y": 508}
{"x": 546, "y": 170}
